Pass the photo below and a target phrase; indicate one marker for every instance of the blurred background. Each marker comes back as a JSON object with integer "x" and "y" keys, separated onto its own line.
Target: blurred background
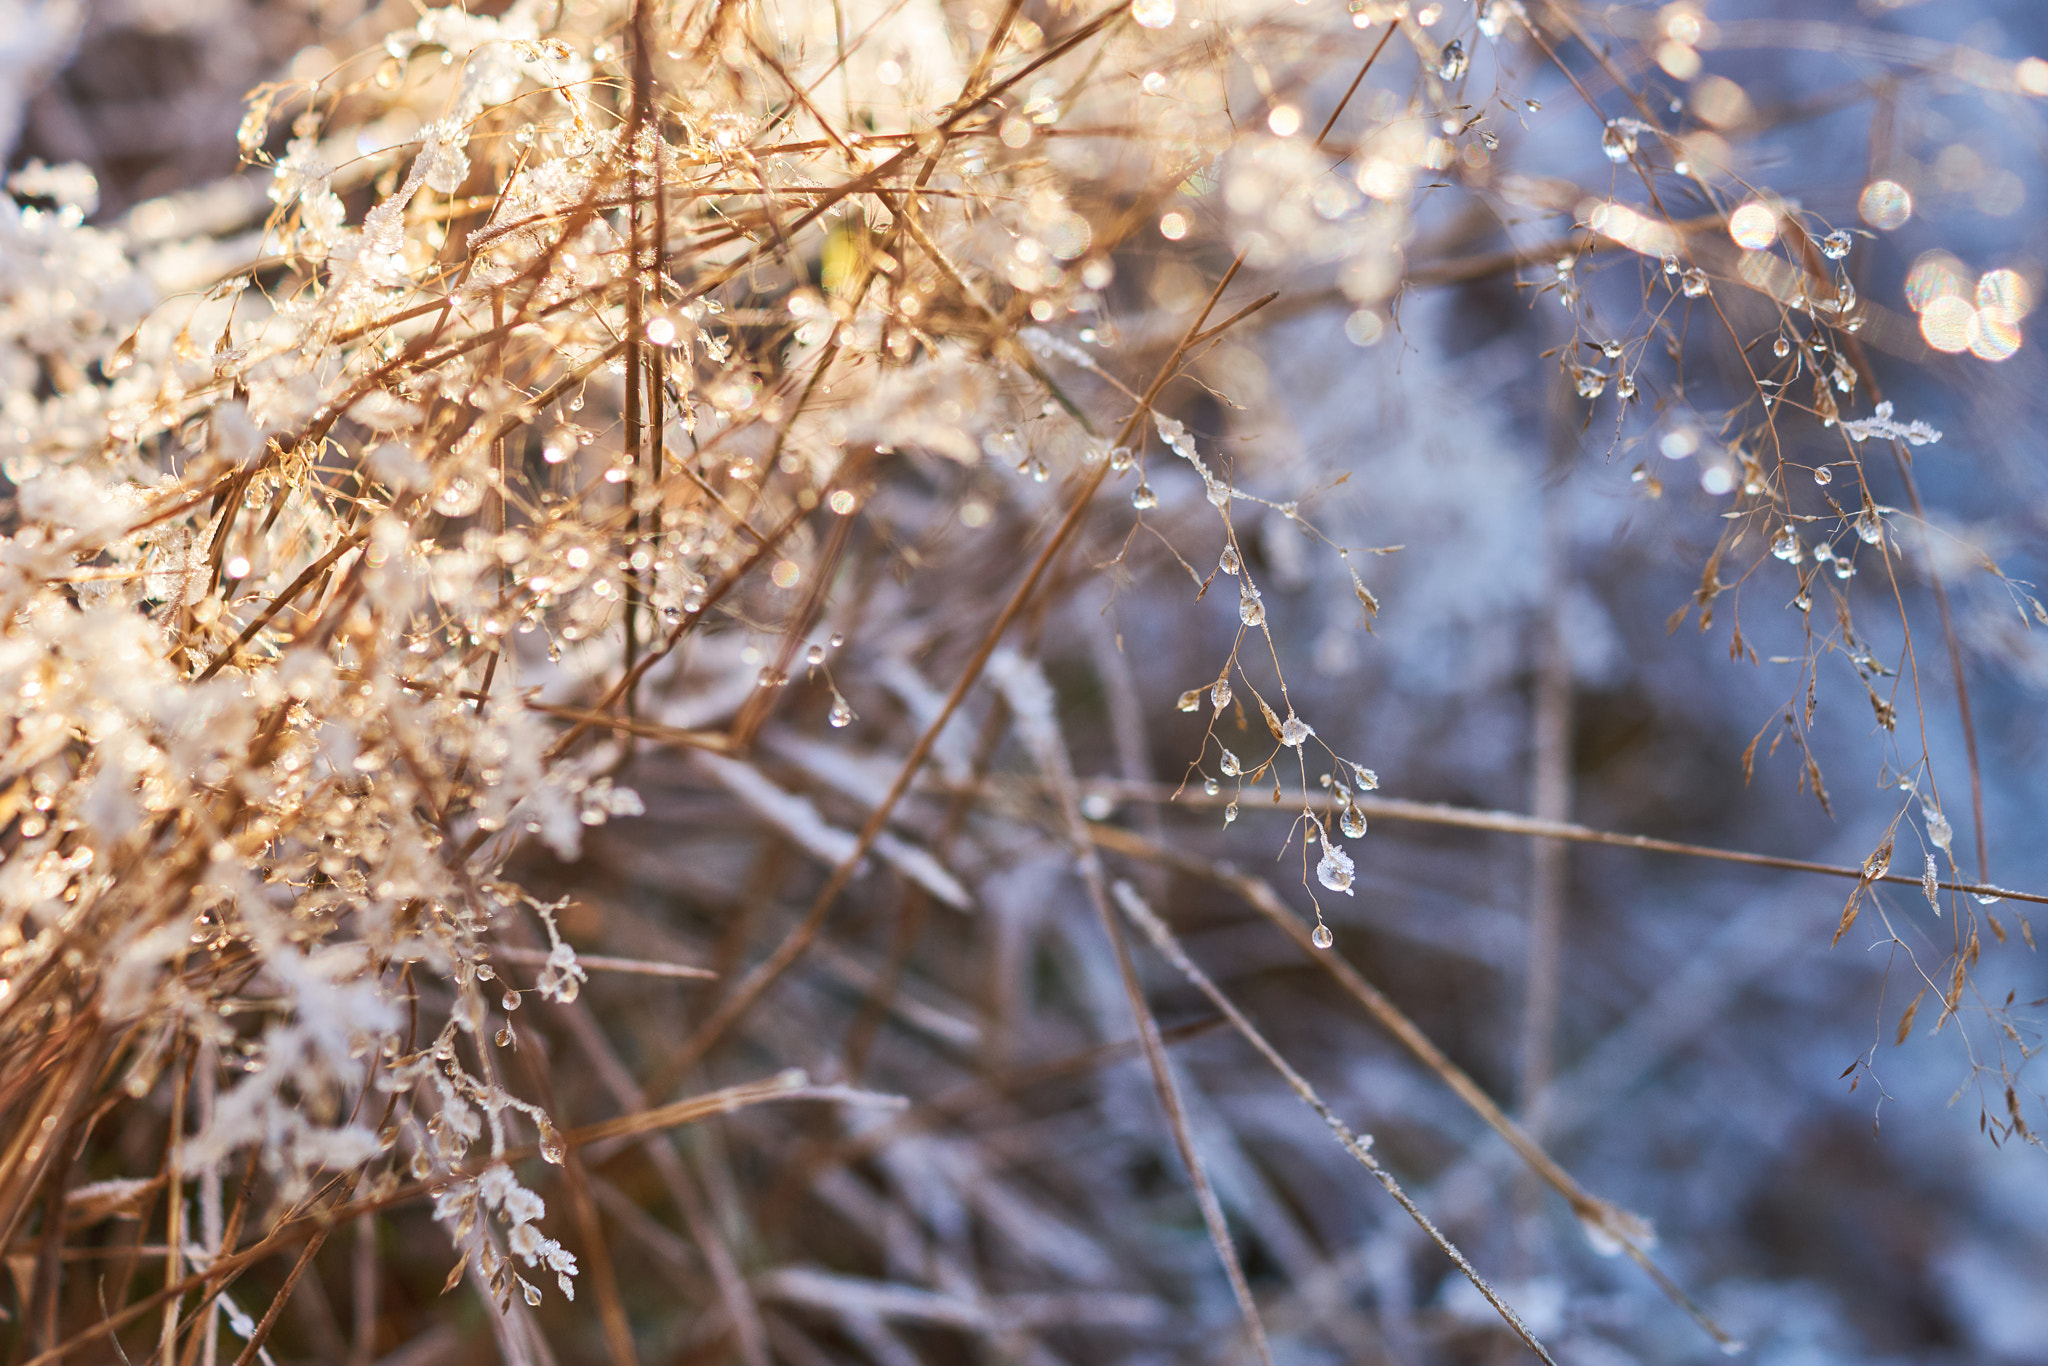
{"x": 1696, "y": 1052}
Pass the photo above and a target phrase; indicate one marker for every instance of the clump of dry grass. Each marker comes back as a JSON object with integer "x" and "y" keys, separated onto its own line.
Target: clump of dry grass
{"x": 589, "y": 433}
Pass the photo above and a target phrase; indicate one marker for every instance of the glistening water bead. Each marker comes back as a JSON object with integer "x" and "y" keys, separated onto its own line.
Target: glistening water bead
{"x": 1320, "y": 936}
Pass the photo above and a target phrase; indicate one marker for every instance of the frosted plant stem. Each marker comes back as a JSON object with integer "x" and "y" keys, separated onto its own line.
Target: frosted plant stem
{"x": 1514, "y": 823}
{"x": 1162, "y": 939}
{"x": 1551, "y": 798}
{"x": 1030, "y": 698}
{"x": 1621, "y": 1226}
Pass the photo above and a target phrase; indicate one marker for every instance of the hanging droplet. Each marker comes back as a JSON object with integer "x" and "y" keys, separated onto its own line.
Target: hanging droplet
{"x": 1785, "y": 545}
{"x": 422, "y": 1166}
{"x": 504, "y": 1035}
{"x": 1320, "y": 936}
{"x": 1143, "y": 498}
{"x": 1835, "y": 245}
{"x": 1335, "y": 869}
{"x": 1617, "y": 144}
{"x": 1231, "y": 767}
{"x": 1451, "y": 62}
{"x": 1353, "y": 822}
{"x": 1219, "y": 694}
{"x": 1592, "y": 383}
{"x": 815, "y": 656}
{"x": 1121, "y": 459}
{"x": 530, "y": 1292}
{"x": 510, "y": 1000}
{"x": 552, "y": 1148}
{"x": 837, "y": 640}
{"x": 1229, "y": 562}
{"x": 1230, "y": 813}
{"x": 1250, "y": 610}
{"x": 1781, "y": 348}
{"x": 1870, "y": 527}
{"x": 1823, "y": 476}
{"x": 1191, "y": 700}
{"x": 1693, "y": 284}
{"x": 1843, "y": 569}
{"x": 841, "y": 715}
{"x": 1211, "y": 786}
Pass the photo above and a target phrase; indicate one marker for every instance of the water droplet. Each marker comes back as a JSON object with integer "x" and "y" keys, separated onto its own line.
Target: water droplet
{"x": 837, "y": 640}
{"x": 422, "y": 1166}
{"x": 1152, "y": 13}
{"x": 1250, "y": 610}
{"x": 510, "y": 1000}
{"x": 841, "y": 715}
{"x": 504, "y": 1035}
{"x": 1592, "y": 383}
{"x": 530, "y": 1292}
{"x": 1843, "y": 569}
{"x": 1231, "y": 768}
{"x": 1823, "y": 476}
{"x": 1785, "y": 545}
{"x": 1781, "y": 348}
{"x": 1143, "y": 498}
{"x": 552, "y": 1148}
{"x": 1335, "y": 869}
{"x": 1870, "y": 527}
{"x": 1320, "y": 936}
{"x": 1121, "y": 459}
{"x": 1230, "y": 813}
{"x": 1617, "y": 143}
{"x": 815, "y": 656}
{"x": 1835, "y": 245}
{"x": 1451, "y": 62}
{"x": 1693, "y": 284}
{"x": 1353, "y": 822}
{"x": 1191, "y": 700}
{"x": 1210, "y": 786}
{"x": 1219, "y": 694}
{"x": 1229, "y": 562}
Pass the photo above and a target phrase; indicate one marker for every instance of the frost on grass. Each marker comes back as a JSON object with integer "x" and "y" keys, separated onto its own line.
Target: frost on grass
{"x": 361, "y": 524}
